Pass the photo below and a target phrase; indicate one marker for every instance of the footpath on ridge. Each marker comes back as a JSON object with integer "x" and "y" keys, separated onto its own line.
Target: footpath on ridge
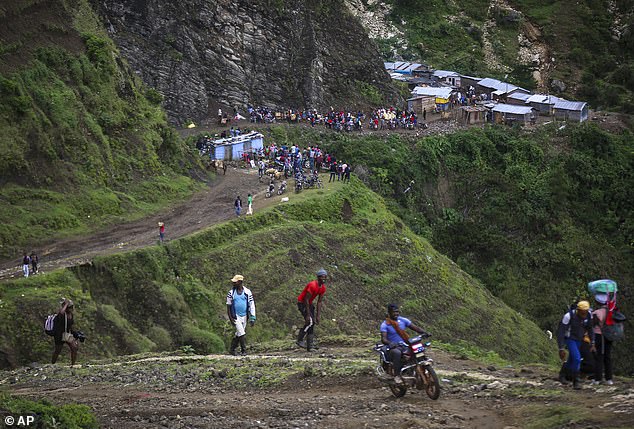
{"x": 210, "y": 206}
{"x": 335, "y": 388}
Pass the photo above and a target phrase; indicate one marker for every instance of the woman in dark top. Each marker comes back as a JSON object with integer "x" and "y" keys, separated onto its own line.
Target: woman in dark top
{"x": 63, "y": 331}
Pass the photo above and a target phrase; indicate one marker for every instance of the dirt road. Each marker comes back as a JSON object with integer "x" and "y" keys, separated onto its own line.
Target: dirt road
{"x": 335, "y": 388}
{"x": 210, "y": 206}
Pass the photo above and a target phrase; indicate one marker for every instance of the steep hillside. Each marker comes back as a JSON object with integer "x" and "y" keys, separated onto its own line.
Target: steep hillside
{"x": 279, "y": 53}
{"x": 578, "y": 49}
{"x": 533, "y": 215}
{"x": 82, "y": 141}
{"x": 164, "y": 297}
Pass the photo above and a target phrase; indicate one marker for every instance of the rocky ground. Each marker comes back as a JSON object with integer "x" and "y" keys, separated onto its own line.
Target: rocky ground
{"x": 335, "y": 388}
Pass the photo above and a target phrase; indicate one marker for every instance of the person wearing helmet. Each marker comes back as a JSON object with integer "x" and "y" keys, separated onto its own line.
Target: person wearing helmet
{"x": 575, "y": 324}
{"x": 314, "y": 289}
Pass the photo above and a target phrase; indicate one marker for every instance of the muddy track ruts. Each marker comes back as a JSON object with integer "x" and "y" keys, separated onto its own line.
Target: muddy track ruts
{"x": 210, "y": 206}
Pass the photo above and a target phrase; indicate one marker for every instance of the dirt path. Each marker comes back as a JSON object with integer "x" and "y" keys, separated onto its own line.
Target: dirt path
{"x": 334, "y": 389}
{"x": 212, "y": 205}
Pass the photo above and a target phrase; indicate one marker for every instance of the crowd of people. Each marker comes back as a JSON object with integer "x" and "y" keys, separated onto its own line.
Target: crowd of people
{"x": 340, "y": 120}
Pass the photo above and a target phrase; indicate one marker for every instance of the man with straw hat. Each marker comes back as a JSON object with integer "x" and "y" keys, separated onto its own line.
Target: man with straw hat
{"x": 240, "y": 304}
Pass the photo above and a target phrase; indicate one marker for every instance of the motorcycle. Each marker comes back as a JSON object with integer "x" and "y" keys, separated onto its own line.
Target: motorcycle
{"x": 417, "y": 370}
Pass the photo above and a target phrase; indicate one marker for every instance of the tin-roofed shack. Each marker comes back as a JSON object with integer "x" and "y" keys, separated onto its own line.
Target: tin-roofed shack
{"x": 232, "y": 148}
{"x": 576, "y": 111}
{"x": 470, "y": 115}
{"x": 510, "y": 114}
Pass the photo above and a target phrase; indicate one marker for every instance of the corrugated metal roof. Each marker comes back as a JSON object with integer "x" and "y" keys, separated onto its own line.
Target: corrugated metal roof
{"x": 519, "y": 96}
{"x": 504, "y": 87}
{"x": 240, "y": 139}
{"x": 429, "y": 91}
{"x": 541, "y": 98}
{"x": 511, "y": 108}
{"x": 445, "y": 73}
{"x": 570, "y": 105}
{"x": 471, "y": 77}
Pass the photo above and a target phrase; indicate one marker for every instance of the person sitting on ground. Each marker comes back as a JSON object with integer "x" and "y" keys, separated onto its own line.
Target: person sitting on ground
{"x": 63, "y": 333}
{"x": 394, "y": 336}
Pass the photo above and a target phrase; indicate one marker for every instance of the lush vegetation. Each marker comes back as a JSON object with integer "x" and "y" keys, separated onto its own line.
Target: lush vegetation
{"x": 82, "y": 142}
{"x": 592, "y": 45}
{"x": 533, "y": 215}
{"x": 168, "y": 296}
{"x": 47, "y": 415}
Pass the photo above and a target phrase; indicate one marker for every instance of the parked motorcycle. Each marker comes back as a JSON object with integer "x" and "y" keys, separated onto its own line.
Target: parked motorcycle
{"x": 417, "y": 370}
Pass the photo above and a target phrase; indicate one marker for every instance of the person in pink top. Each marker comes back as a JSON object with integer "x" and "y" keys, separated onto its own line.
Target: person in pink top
{"x": 603, "y": 353}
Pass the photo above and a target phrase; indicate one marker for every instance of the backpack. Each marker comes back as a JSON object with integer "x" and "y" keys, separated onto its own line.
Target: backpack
{"x": 613, "y": 328}
{"x": 49, "y": 325}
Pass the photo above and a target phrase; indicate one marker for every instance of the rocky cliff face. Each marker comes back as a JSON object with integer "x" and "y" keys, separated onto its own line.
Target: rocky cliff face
{"x": 202, "y": 55}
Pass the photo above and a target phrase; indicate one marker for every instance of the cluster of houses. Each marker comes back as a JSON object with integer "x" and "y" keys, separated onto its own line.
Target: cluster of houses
{"x": 475, "y": 100}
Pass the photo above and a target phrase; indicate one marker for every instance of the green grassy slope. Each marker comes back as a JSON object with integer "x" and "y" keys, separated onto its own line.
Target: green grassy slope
{"x": 533, "y": 215}
{"x": 163, "y": 297}
{"x": 82, "y": 142}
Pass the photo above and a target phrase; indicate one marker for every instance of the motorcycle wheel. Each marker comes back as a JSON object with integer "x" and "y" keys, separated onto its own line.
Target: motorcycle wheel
{"x": 432, "y": 386}
{"x": 397, "y": 391}
{"x": 267, "y": 195}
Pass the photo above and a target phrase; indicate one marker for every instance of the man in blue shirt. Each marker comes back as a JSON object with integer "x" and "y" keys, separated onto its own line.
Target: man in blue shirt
{"x": 240, "y": 304}
{"x": 394, "y": 336}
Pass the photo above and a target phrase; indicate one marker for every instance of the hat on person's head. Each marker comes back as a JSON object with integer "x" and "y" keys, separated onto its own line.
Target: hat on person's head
{"x": 321, "y": 272}
{"x": 601, "y": 298}
{"x": 583, "y": 305}
{"x": 237, "y": 278}
{"x": 392, "y": 307}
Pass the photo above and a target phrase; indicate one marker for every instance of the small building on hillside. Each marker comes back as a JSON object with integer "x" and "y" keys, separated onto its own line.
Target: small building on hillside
{"x": 518, "y": 98}
{"x": 441, "y": 96}
{"x": 496, "y": 89}
{"x": 449, "y": 77}
{"x": 470, "y": 115}
{"x": 407, "y": 68}
{"x": 543, "y": 103}
{"x": 576, "y": 111}
{"x": 511, "y": 114}
{"x": 421, "y": 102}
{"x": 467, "y": 81}
{"x": 233, "y": 148}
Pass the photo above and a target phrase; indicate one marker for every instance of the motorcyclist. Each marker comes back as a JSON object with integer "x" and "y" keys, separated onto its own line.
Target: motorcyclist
{"x": 271, "y": 187}
{"x": 394, "y": 336}
{"x": 283, "y": 185}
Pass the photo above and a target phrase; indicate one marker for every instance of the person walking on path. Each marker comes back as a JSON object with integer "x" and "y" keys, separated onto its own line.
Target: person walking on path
{"x": 25, "y": 264}
{"x": 238, "y": 205}
{"x": 161, "y": 226}
{"x": 63, "y": 333}
{"x": 250, "y": 204}
{"x": 603, "y": 353}
{"x": 34, "y": 262}
{"x": 575, "y": 324}
{"x": 312, "y": 290}
{"x": 240, "y": 304}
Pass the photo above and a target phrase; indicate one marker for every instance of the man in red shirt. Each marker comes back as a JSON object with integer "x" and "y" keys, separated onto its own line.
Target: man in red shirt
{"x": 312, "y": 290}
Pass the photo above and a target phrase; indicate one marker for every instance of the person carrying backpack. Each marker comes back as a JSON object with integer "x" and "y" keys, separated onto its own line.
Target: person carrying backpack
{"x": 574, "y": 326}
{"x": 603, "y": 353}
{"x": 240, "y": 305}
{"x": 62, "y": 331}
